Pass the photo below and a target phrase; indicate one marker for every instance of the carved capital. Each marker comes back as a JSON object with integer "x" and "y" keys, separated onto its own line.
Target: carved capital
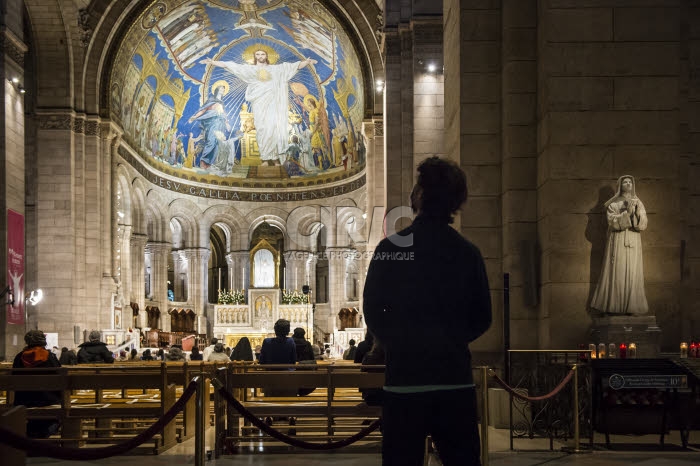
{"x": 13, "y": 46}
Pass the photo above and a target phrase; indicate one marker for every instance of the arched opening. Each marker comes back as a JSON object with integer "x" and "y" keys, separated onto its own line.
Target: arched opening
{"x": 218, "y": 270}
{"x": 267, "y": 234}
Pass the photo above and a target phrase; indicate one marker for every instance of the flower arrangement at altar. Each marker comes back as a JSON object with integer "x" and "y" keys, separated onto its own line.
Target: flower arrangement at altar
{"x": 231, "y": 297}
{"x": 294, "y": 297}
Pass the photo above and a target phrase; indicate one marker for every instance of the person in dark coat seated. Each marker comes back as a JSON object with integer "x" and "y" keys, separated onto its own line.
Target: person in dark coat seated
{"x": 196, "y": 355}
{"x": 147, "y": 356}
{"x": 364, "y": 347}
{"x": 242, "y": 351}
{"x": 279, "y": 350}
{"x": 36, "y": 356}
{"x": 305, "y": 356}
{"x": 94, "y": 351}
{"x": 68, "y": 357}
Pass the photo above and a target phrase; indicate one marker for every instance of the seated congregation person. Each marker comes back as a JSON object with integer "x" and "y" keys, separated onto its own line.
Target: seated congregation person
{"x": 122, "y": 356}
{"x": 242, "y": 351}
{"x": 94, "y": 351}
{"x": 349, "y": 354}
{"x": 36, "y": 356}
{"x": 209, "y": 349}
{"x": 196, "y": 355}
{"x": 219, "y": 354}
{"x": 146, "y": 356}
{"x": 68, "y": 357}
{"x": 305, "y": 355}
{"x": 160, "y": 355}
{"x": 279, "y": 350}
{"x": 134, "y": 356}
{"x": 364, "y": 347}
{"x": 303, "y": 346}
{"x": 175, "y": 354}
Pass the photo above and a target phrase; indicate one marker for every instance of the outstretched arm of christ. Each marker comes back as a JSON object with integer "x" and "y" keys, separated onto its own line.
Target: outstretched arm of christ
{"x": 305, "y": 63}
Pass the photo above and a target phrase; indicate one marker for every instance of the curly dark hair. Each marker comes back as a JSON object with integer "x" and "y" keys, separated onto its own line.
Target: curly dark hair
{"x": 282, "y": 328}
{"x": 441, "y": 188}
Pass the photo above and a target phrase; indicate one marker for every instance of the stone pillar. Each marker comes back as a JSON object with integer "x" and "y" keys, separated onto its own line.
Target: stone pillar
{"x": 138, "y": 258}
{"x": 295, "y": 273}
{"x": 518, "y": 174}
{"x": 159, "y": 279}
{"x": 472, "y": 77}
{"x": 363, "y": 258}
{"x": 12, "y": 163}
{"x": 179, "y": 266}
{"x": 197, "y": 292}
{"x": 238, "y": 269}
{"x": 337, "y": 258}
{"x": 310, "y": 272}
{"x": 122, "y": 262}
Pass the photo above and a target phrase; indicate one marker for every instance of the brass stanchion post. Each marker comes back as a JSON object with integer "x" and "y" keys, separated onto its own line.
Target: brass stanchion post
{"x": 484, "y": 417}
{"x": 577, "y": 434}
{"x": 199, "y": 432}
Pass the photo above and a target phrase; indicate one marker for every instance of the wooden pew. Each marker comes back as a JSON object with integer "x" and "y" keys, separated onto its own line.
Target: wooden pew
{"x": 103, "y": 411}
{"x": 13, "y": 419}
{"x": 339, "y": 399}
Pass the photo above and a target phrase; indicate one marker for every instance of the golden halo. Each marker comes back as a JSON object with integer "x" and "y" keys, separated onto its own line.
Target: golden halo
{"x": 220, "y": 83}
{"x": 308, "y": 98}
{"x": 249, "y": 53}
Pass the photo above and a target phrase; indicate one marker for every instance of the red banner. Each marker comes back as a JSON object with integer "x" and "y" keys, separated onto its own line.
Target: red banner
{"x": 15, "y": 266}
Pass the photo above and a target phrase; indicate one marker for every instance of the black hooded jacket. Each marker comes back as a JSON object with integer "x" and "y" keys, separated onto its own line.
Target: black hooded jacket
{"x": 435, "y": 281}
{"x": 94, "y": 352}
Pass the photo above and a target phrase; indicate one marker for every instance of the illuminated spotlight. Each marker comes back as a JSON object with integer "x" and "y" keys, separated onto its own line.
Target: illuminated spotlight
{"x": 15, "y": 80}
{"x": 432, "y": 68}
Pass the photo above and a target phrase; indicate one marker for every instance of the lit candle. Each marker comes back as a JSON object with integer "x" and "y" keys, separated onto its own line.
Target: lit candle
{"x": 632, "y": 351}
{"x": 601, "y": 350}
{"x": 623, "y": 351}
{"x": 684, "y": 349}
{"x": 592, "y": 348}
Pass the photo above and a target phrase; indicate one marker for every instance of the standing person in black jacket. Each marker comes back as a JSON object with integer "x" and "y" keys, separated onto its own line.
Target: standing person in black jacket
{"x": 429, "y": 277}
{"x": 36, "y": 356}
{"x": 94, "y": 351}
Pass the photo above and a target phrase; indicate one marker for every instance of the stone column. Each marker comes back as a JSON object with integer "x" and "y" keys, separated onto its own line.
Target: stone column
{"x": 337, "y": 258}
{"x": 197, "y": 292}
{"x": 363, "y": 258}
{"x": 295, "y": 273}
{"x": 12, "y": 166}
{"x": 238, "y": 269}
{"x": 137, "y": 253}
{"x": 122, "y": 261}
{"x": 310, "y": 271}
{"x": 179, "y": 266}
{"x": 159, "y": 279}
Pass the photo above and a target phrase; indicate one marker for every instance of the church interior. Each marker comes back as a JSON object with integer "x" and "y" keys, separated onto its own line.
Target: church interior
{"x": 173, "y": 171}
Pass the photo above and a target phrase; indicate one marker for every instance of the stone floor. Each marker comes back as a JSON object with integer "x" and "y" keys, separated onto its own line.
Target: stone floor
{"x": 644, "y": 450}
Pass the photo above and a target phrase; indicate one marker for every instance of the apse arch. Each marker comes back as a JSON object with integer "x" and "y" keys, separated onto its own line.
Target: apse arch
{"x": 343, "y": 69}
{"x": 235, "y": 222}
{"x": 187, "y": 213}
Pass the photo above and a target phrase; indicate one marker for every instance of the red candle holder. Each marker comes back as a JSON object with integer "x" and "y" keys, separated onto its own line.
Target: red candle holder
{"x": 623, "y": 351}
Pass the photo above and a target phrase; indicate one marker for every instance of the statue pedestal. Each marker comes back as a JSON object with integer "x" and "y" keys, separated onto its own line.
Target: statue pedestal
{"x": 641, "y": 330}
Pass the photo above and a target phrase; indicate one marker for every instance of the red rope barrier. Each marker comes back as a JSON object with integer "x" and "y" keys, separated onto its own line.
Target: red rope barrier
{"x": 21, "y": 442}
{"x": 295, "y": 442}
{"x": 512, "y": 391}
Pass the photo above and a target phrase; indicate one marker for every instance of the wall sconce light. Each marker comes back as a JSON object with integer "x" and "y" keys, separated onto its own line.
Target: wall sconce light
{"x": 34, "y": 297}
{"x": 380, "y": 85}
{"x": 15, "y": 82}
{"x": 10, "y": 296}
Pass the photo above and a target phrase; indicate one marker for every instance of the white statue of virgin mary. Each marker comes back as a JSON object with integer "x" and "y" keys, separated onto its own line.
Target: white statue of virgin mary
{"x": 620, "y": 288}
{"x": 264, "y": 264}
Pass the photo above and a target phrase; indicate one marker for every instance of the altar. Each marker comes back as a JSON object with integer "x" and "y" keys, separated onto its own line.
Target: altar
{"x": 256, "y": 320}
